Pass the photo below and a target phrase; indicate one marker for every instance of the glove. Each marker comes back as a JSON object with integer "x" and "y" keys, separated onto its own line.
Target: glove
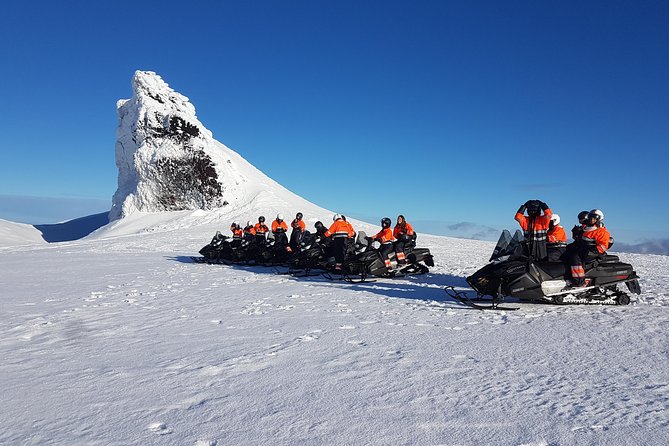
{"x": 521, "y": 209}
{"x": 543, "y": 206}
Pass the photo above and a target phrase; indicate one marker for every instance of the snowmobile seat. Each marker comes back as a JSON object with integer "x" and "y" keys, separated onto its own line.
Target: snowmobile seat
{"x": 554, "y": 269}
{"x": 608, "y": 258}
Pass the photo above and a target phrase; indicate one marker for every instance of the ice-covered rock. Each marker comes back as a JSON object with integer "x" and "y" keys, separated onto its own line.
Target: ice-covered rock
{"x": 167, "y": 159}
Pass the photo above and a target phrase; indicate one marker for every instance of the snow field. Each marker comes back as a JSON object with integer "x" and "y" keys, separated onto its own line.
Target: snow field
{"x": 122, "y": 341}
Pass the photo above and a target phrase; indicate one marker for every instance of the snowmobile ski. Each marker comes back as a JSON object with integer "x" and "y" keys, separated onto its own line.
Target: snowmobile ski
{"x": 473, "y": 303}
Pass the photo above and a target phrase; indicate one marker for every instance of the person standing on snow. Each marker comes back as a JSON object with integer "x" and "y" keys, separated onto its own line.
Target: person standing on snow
{"x": 404, "y": 234}
{"x": 592, "y": 244}
{"x": 535, "y": 226}
{"x": 339, "y": 232}
{"x": 557, "y": 239}
{"x": 387, "y": 239}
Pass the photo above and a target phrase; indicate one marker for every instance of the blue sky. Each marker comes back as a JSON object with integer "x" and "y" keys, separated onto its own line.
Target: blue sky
{"x": 453, "y": 111}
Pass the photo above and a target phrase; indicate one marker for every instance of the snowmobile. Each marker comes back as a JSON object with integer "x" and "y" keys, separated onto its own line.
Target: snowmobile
{"x": 222, "y": 249}
{"x": 366, "y": 260}
{"x": 308, "y": 256}
{"x": 216, "y": 250}
{"x": 513, "y": 272}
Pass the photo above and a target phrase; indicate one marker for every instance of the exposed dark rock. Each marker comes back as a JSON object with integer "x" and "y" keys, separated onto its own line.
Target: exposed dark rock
{"x": 188, "y": 179}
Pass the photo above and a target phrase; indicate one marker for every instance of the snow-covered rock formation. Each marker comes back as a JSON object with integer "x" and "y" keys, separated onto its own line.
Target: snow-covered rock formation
{"x": 169, "y": 161}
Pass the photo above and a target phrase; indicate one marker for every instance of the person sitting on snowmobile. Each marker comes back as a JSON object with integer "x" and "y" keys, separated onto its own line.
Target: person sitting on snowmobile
{"x": 404, "y": 234}
{"x": 249, "y": 230}
{"x": 577, "y": 230}
{"x": 261, "y": 230}
{"x": 298, "y": 230}
{"x": 320, "y": 229}
{"x": 385, "y": 236}
{"x": 535, "y": 226}
{"x": 237, "y": 231}
{"x": 339, "y": 232}
{"x": 279, "y": 229}
{"x": 557, "y": 239}
{"x": 592, "y": 244}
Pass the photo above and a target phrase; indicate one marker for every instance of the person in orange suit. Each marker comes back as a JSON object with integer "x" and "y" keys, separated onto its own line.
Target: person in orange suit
{"x": 535, "y": 225}
{"x": 279, "y": 229}
{"x": 261, "y": 230}
{"x": 592, "y": 244}
{"x": 557, "y": 239}
{"x": 298, "y": 230}
{"x": 237, "y": 231}
{"x": 339, "y": 232}
{"x": 387, "y": 239}
{"x": 249, "y": 233}
{"x": 404, "y": 234}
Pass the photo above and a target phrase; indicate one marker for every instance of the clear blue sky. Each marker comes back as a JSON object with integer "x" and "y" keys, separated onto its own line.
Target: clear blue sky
{"x": 454, "y": 111}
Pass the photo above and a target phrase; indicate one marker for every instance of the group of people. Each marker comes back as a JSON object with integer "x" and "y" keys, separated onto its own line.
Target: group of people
{"x": 339, "y": 236}
{"x": 548, "y": 239}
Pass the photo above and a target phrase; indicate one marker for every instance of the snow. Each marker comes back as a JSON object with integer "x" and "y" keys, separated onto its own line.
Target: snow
{"x": 16, "y": 234}
{"x": 119, "y": 339}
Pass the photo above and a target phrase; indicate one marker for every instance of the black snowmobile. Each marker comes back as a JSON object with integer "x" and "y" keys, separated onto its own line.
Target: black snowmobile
{"x": 216, "y": 250}
{"x": 513, "y": 272}
{"x": 366, "y": 260}
{"x": 308, "y": 256}
{"x": 222, "y": 249}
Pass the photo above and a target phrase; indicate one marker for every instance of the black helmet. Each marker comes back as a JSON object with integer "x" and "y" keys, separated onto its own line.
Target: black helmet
{"x": 385, "y": 222}
{"x": 533, "y": 208}
{"x": 261, "y": 219}
{"x": 299, "y": 216}
{"x": 582, "y": 216}
{"x": 319, "y": 225}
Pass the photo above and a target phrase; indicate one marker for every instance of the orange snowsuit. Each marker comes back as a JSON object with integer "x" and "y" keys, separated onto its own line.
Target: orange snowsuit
{"x": 276, "y": 226}
{"x": 261, "y": 228}
{"x": 406, "y": 228}
{"x": 599, "y": 237}
{"x": 540, "y": 227}
{"x": 237, "y": 233}
{"x": 298, "y": 225}
{"x": 385, "y": 235}
{"x": 339, "y": 228}
{"x": 557, "y": 236}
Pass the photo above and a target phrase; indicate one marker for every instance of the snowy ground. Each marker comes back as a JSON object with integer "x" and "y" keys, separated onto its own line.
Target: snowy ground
{"x": 122, "y": 341}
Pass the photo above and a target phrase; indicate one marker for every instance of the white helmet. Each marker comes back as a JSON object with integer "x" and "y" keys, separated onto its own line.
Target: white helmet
{"x": 336, "y": 217}
{"x": 279, "y": 216}
{"x": 598, "y": 213}
{"x": 555, "y": 218}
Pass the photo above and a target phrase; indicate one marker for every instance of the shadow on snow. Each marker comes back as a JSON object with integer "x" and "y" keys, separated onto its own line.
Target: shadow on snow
{"x": 427, "y": 287}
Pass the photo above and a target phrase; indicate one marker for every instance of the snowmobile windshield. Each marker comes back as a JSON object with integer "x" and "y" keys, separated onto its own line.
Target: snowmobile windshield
{"x": 508, "y": 246}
